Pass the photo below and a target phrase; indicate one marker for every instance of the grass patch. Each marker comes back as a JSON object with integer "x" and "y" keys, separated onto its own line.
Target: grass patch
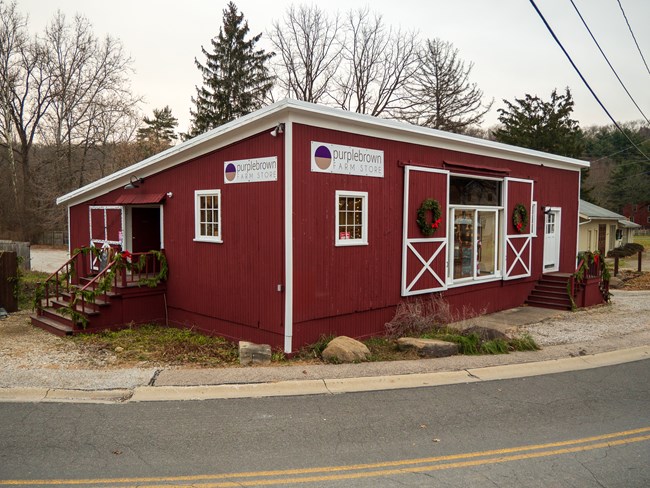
{"x": 26, "y": 287}
{"x": 155, "y": 344}
{"x": 643, "y": 240}
{"x": 472, "y": 344}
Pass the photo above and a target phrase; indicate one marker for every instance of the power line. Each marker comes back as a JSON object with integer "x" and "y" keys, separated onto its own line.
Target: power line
{"x": 606, "y": 59}
{"x": 633, "y": 36}
{"x": 584, "y": 80}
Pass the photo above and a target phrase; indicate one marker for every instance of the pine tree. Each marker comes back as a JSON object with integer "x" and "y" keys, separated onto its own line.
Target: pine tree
{"x": 236, "y": 80}
{"x": 158, "y": 132}
{"x": 546, "y": 126}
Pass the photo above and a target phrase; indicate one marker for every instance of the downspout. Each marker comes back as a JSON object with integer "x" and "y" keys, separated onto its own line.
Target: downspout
{"x": 288, "y": 237}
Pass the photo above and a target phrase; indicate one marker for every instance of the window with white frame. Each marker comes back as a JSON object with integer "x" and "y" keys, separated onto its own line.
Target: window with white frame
{"x": 351, "y": 218}
{"x": 207, "y": 215}
{"x": 474, "y": 211}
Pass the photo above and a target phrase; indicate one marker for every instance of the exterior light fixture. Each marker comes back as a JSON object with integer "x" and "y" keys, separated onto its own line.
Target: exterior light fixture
{"x": 279, "y": 129}
{"x": 135, "y": 182}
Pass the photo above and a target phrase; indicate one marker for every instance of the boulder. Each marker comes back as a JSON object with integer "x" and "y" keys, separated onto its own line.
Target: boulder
{"x": 615, "y": 282}
{"x": 428, "y": 348}
{"x": 250, "y": 353}
{"x": 344, "y": 349}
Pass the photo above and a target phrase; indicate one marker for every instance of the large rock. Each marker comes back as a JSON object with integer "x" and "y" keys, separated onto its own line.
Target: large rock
{"x": 428, "y": 348}
{"x": 250, "y": 353}
{"x": 615, "y": 282}
{"x": 344, "y": 349}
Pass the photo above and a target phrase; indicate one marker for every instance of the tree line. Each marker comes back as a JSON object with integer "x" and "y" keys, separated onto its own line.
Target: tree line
{"x": 68, "y": 115}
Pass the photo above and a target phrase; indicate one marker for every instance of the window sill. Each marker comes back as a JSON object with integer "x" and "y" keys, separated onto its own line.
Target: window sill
{"x": 212, "y": 241}
{"x": 475, "y": 281}
{"x": 351, "y": 242}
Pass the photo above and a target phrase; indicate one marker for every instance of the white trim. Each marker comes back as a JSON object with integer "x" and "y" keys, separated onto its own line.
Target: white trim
{"x": 533, "y": 218}
{"x": 508, "y": 238}
{"x": 406, "y": 289}
{"x": 338, "y": 242}
{"x": 558, "y": 239}
{"x": 197, "y": 214}
{"x": 69, "y": 235}
{"x": 288, "y": 236}
{"x": 317, "y": 116}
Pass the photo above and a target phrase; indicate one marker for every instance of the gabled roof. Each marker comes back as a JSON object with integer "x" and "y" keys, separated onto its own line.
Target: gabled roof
{"x": 320, "y": 116}
{"x": 589, "y": 212}
{"x": 592, "y": 211}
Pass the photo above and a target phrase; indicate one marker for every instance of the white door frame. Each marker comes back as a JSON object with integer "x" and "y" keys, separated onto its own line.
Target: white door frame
{"x": 128, "y": 228}
{"x": 557, "y": 212}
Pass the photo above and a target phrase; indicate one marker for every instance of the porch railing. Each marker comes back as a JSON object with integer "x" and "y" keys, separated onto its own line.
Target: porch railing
{"x": 123, "y": 270}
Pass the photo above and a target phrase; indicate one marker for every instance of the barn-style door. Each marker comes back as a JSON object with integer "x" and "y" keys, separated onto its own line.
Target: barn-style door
{"x": 106, "y": 224}
{"x": 424, "y": 258}
{"x": 518, "y": 241}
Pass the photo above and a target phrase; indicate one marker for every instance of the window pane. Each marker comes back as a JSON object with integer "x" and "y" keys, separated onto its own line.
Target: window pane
{"x": 463, "y": 244}
{"x": 486, "y": 243}
{"x": 357, "y": 233}
{"x": 474, "y": 191}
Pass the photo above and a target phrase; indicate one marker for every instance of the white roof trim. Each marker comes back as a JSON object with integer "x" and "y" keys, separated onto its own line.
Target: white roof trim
{"x": 319, "y": 116}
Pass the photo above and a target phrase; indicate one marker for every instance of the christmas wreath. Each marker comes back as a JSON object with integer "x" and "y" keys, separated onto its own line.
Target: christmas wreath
{"x": 520, "y": 218}
{"x": 426, "y": 227}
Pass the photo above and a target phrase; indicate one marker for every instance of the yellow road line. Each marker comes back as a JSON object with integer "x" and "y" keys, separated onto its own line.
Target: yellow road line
{"x": 404, "y": 466}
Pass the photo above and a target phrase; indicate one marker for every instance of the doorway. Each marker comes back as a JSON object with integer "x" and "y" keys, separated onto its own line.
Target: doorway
{"x": 145, "y": 229}
{"x": 552, "y": 240}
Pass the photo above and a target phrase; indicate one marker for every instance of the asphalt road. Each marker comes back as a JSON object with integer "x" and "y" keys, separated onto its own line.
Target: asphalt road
{"x": 585, "y": 428}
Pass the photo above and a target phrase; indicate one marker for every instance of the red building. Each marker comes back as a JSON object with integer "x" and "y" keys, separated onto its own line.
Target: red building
{"x": 638, "y": 213}
{"x": 300, "y": 220}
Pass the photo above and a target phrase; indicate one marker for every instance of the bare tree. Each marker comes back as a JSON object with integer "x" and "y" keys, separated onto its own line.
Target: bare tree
{"x": 90, "y": 85}
{"x": 307, "y": 42}
{"x": 378, "y": 61}
{"x": 441, "y": 94}
{"x": 25, "y": 95}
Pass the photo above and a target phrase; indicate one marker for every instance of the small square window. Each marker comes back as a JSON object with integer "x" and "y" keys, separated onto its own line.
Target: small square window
{"x": 207, "y": 215}
{"x": 351, "y": 218}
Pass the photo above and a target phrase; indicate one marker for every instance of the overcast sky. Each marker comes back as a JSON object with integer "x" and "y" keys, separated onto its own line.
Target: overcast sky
{"x": 512, "y": 52}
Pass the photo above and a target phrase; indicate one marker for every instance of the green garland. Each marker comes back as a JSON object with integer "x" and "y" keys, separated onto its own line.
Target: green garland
{"x": 429, "y": 228}
{"x": 520, "y": 218}
{"x": 104, "y": 285}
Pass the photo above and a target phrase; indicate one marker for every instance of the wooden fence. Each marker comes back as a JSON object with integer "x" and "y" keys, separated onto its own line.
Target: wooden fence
{"x": 8, "y": 275}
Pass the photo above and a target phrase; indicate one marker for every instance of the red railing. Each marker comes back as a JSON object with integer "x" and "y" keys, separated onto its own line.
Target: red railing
{"x": 129, "y": 270}
{"x": 133, "y": 269}
{"x": 588, "y": 270}
{"x": 59, "y": 282}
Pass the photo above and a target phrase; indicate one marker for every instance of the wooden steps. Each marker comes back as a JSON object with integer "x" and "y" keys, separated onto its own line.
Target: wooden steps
{"x": 551, "y": 292}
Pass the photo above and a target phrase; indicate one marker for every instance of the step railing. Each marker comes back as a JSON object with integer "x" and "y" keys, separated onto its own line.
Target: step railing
{"x": 590, "y": 266}
{"x": 58, "y": 283}
{"x": 124, "y": 269}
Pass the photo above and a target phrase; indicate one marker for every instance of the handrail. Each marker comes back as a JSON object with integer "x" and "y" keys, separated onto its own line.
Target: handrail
{"x": 138, "y": 271}
{"x": 54, "y": 278}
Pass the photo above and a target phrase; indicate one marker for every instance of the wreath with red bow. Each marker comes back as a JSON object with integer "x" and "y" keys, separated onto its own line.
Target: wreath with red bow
{"x": 429, "y": 228}
{"x": 520, "y": 218}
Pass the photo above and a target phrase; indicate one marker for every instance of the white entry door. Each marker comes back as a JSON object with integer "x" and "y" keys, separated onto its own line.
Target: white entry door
{"x": 552, "y": 240}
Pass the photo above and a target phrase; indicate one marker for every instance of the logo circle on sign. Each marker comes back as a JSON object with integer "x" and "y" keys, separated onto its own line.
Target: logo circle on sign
{"x": 323, "y": 157}
{"x": 231, "y": 172}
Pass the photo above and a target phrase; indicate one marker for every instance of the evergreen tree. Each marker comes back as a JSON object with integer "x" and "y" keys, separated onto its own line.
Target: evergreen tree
{"x": 236, "y": 80}
{"x": 537, "y": 124}
{"x": 158, "y": 132}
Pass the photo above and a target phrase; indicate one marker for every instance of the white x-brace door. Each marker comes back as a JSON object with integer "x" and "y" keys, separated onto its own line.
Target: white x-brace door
{"x": 518, "y": 244}
{"x": 424, "y": 258}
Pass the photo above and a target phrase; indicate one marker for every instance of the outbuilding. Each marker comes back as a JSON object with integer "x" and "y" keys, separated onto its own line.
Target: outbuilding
{"x": 299, "y": 220}
{"x": 603, "y": 230}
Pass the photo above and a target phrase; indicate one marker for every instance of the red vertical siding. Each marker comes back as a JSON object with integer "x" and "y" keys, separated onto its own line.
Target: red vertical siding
{"x": 229, "y": 288}
{"x": 353, "y": 290}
